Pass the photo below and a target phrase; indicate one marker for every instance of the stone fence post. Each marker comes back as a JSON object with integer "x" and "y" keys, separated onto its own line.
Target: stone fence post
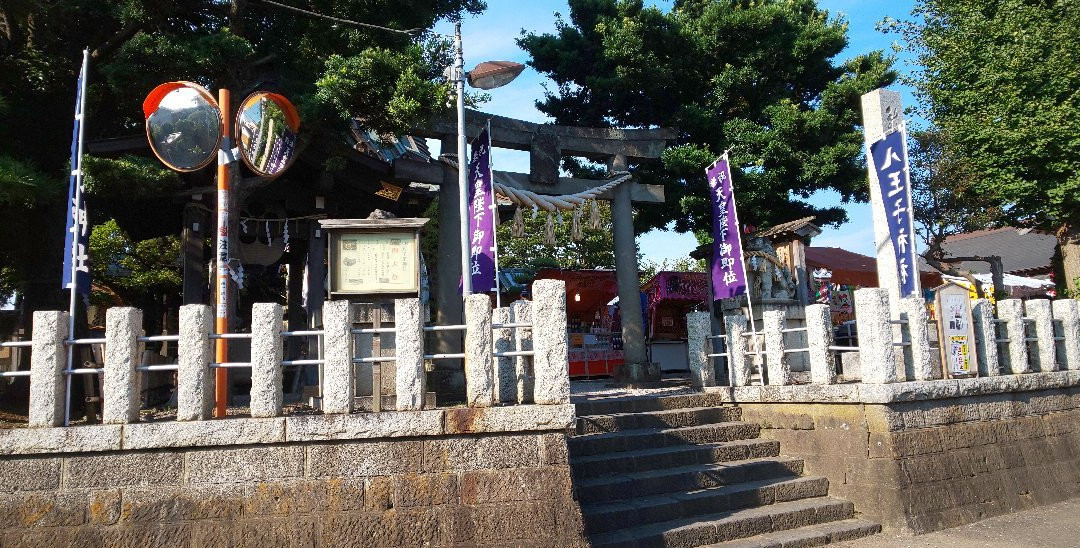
{"x": 339, "y": 375}
{"x": 773, "y": 322}
{"x": 1066, "y": 311}
{"x": 986, "y": 347}
{"x": 479, "y": 380}
{"x": 738, "y": 364}
{"x": 1039, "y": 310}
{"x": 1012, "y": 311}
{"x": 48, "y": 360}
{"x": 505, "y": 374}
{"x": 267, "y": 322}
{"x": 921, "y": 367}
{"x": 120, "y": 389}
{"x": 551, "y": 362}
{"x": 410, "y": 378}
{"x": 819, "y": 337}
{"x": 194, "y": 379}
{"x": 876, "y": 356}
{"x": 521, "y": 312}
{"x": 699, "y": 346}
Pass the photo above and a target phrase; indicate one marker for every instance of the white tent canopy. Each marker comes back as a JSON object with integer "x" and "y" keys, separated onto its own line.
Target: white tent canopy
{"x": 1009, "y": 279}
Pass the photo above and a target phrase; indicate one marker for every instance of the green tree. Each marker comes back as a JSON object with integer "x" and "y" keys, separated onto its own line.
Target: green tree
{"x": 999, "y": 78}
{"x": 649, "y": 268}
{"x": 946, "y": 202}
{"x": 757, "y": 77}
{"x": 594, "y": 250}
{"x": 333, "y": 72}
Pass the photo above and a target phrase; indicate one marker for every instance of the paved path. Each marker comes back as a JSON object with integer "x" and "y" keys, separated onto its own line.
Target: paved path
{"x": 1056, "y": 525}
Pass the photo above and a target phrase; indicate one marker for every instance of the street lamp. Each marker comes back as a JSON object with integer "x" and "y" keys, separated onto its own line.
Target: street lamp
{"x": 486, "y": 75}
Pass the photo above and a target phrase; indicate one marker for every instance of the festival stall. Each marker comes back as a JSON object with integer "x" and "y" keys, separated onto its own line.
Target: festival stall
{"x": 670, "y": 296}
{"x": 594, "y": 331}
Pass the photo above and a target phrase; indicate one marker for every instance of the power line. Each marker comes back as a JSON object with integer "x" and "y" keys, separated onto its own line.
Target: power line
{"x": 410, "y": 32}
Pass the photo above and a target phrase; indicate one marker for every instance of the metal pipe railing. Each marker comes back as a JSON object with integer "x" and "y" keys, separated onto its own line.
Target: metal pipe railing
{"x": 430, "y": 328}
{"x": 513, "y": 353}
{"x": 159, "y": 367}
{"x": 375, "y": 359}
{"x": 16, "y": 344}
{"x": 443, "y": 356}
{"x": 309, "y": 333}
{"x": 158, "y": 338}
{"x": 510, "y": 325}
{"x": 373, "y": 330}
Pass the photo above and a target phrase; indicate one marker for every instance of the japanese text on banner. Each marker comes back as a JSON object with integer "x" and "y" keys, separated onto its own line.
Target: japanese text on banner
{"x": 728, "y": 269}
{"x": 890, "y": 162}
{"x": 481, "y": 216}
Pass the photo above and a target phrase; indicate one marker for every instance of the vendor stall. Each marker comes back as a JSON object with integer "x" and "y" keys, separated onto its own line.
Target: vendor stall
{"x": 671, "y": 295}
{"x": 595, "y": 343}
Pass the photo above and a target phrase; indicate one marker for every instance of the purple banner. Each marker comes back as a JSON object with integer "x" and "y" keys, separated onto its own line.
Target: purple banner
{"x": 728, "y": 269}
{"x": 481, "y": 216}
{"x": 890, "y": 162}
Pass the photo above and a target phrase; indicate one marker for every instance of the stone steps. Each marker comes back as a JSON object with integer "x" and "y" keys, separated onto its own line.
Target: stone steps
{"x": 628, "y": 440}
{"x": 685, "y": 478}
{"x": 643, "y": 404}
{"x": 810, "y": 535}
{"x": 610, "y": 516}
{"x": 684, "y": 471}
{"x": 670, "y": 418}
{"x": 624, "y": 462}
{"x": 708, "y": 529}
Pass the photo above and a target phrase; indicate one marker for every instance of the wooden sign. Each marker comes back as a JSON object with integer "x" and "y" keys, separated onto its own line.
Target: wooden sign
{"x": 956, "y": 335}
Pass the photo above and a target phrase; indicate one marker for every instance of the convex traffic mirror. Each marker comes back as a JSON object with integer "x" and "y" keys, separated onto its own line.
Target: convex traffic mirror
{"x": 183, "y": 125}
{"x": 266, "y": 127}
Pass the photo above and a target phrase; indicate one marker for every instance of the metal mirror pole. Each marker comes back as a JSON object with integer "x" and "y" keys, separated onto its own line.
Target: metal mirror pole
{"x": 221, "y": 347}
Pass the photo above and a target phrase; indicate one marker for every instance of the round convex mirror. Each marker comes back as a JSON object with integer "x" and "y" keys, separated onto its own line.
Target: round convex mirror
{"x": 266, "y": 128}
{"x": 183, "y": 125}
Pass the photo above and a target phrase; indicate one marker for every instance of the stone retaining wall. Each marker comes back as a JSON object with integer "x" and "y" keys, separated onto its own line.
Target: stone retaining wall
{"x": 488, "y": 477}
{"x": 920, "y": 460}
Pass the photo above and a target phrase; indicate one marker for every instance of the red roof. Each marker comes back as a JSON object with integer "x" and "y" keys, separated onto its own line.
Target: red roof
{"x": 854, "y": 269}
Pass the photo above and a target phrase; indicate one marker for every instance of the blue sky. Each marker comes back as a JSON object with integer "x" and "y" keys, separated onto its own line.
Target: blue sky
{"x": 491, "y": 35}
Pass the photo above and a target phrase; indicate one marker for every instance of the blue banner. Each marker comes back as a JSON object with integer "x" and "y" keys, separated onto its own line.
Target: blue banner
{"x": 77, "y": 235}
{"x": 891, "y": 165}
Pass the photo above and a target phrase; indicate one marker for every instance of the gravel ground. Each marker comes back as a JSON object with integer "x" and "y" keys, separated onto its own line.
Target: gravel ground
{"x": 1048, "y": 526}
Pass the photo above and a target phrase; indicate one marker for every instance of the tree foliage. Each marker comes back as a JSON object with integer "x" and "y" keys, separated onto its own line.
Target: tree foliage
{"x": 331, "y": 71}
{"x": 649, "y": 268}
{"x": 595, "y": 250}
{"x": 134, "y": 270}
{"x": 999, "y": 79}
{"x": 756, "y": 77}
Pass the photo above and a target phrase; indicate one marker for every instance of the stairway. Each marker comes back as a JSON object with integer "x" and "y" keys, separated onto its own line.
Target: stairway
{"x": 684, "y": 471}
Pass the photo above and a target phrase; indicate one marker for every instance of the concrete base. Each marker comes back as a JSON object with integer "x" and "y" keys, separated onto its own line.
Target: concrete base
{"x": 935, "y": 462}
{"x": 455, "y": 477}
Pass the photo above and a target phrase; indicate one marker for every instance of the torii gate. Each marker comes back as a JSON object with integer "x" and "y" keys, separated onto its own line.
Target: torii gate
{"x": 546, "y": 145}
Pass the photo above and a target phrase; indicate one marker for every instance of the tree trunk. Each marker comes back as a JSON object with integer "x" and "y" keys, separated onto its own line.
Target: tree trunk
{"x": 1069, "y": 241}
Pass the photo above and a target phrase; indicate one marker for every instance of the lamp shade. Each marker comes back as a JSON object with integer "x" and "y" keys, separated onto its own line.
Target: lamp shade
{"x": 493, "y": 74}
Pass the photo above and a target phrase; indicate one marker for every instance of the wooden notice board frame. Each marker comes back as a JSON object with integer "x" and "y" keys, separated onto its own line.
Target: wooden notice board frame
{"x": 372, "y": 232}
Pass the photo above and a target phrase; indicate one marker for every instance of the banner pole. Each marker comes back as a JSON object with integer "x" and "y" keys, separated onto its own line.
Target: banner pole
{"x": 494, "y": 220}
{"x": 742, "y": 260}
{"x": 221, "y": 325}
{"x": 77, "y": 221}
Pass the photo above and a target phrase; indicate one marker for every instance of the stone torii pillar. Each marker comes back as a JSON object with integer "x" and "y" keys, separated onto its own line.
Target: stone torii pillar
{"x": 883, "y": 113}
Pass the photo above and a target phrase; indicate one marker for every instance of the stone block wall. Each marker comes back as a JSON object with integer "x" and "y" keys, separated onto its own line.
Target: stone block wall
{"x": 478, "y": 477}
{"x": 920, "y": 462}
